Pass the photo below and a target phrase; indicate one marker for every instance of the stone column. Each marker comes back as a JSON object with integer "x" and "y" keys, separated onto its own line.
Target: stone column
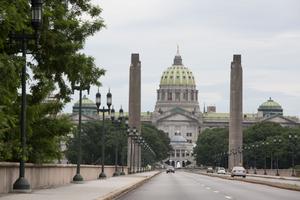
{"x": 236, "y": 112}
{"x": 134, "y": 109}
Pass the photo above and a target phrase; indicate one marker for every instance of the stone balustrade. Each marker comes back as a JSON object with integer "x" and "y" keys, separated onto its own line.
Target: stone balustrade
{"x": 48, "y": 175}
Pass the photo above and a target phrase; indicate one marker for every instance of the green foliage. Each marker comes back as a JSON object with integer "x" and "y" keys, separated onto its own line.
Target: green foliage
{"x": 210, "y": 143}
{"x": 55, "y": 63}
{"x": 115, "y": 136}
{"x": 262, "y": 140}
{"x": 158, "y": 141}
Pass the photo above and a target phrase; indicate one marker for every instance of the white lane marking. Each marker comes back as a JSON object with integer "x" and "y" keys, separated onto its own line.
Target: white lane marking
{"x": 208, "y": 188}
{"x": 228, "y": 197}
{"x": 216, "y": 191}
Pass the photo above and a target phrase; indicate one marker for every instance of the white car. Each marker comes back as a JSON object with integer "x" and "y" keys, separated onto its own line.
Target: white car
{"x": 238, "y": 171}
{"x": 221, "y": 170}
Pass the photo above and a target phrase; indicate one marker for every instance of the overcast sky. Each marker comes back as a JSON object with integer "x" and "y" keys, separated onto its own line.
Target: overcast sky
{"x": 265, "y": 32}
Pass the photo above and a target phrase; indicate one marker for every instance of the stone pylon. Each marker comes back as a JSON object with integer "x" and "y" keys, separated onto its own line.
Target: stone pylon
{"x": 134, "y": 112}
{"x": 236, "y": 114}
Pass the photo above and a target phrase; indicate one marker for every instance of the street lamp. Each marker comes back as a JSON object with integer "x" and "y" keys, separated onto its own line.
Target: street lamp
{"x": 292, "y": 138}
{"x": 119, "y": 123}
{"x": 132, "y": 133}
{"x": 103, "y": 110}
{"x": 22, "y": 184}
{"x": 78, "y": 177}
{"x": 265, "y": 145}
{"x": 277, "y": 141}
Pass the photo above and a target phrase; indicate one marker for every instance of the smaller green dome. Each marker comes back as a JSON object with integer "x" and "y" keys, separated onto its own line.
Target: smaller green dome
{"x": 270, "y": 105}
{"x": 86, "y": 102}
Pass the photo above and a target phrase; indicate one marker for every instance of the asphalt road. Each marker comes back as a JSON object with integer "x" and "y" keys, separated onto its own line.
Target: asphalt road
{"x": 187, "y": 186}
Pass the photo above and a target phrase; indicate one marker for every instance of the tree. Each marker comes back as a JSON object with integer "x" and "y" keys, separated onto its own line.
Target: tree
{"x": 115, "y": 135}
{"x": 158, "y": 141}
{"x": 260, "y": 142}
{"x": 210, "y": 144}
{"x": 56, "y": 64}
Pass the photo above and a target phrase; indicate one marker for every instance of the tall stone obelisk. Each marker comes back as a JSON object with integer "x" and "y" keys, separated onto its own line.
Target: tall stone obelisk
{"x": 134, "y": 112}
{"x": 236, "y": 114}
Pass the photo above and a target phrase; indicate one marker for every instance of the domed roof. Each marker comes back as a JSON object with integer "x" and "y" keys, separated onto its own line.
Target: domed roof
{"x": 270, "y": 105}
{"x": 86, "y": 102}
{"x": 178, "y": 139}
{"x": 177, "y": 74}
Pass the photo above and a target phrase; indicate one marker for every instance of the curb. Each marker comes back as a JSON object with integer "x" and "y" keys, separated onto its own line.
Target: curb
{"x": 126, "y": 189}
{"x": 277, "y": 185}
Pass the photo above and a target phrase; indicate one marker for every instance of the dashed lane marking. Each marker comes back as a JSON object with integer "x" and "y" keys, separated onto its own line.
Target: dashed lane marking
{"x": 208, "y": 188}
{"x": 216, "y": 191}
{"x": 228, "y": 197}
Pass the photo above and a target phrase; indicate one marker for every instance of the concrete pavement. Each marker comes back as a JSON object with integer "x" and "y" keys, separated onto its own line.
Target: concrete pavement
{"x": 89, "y": 190}
{"x": 187, "y": 186}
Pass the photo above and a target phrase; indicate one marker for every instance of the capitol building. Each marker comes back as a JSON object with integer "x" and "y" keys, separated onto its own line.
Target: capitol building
{"x": 178, "y": 114}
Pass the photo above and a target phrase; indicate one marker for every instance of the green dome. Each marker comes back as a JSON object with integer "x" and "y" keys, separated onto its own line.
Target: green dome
{"x": 86, "y": 102}
{"x": 270, "y": 105}
{"x": 177, "y": 75}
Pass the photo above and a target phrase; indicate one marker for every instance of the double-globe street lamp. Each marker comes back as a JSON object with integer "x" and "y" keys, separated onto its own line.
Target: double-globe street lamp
{"x": 132, "y": 134}
{"x": 103, "y": 110}
{"x": 293, "y": 141}
{"x": 22, "y": 184}
{"x": 119, "y": 123}
{"x": 277, "y": 141}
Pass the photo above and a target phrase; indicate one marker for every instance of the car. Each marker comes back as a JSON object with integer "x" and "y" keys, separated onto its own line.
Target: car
{"x": 221, "y": 170}
{"x": 238, "y": 171}
{"x": 170, "y": 169}
{"x": 209, "y": 170}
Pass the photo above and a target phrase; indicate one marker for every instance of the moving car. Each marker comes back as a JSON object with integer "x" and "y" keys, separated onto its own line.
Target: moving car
{"x": 209, "y": 170}
{"x": 170, "y": 169}
{"x": 238, "y": 171}
{"x": 221, "y": 170}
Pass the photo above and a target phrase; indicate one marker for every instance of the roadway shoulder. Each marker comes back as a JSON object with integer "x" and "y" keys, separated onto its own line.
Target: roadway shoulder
{"x": 268, "y": 183}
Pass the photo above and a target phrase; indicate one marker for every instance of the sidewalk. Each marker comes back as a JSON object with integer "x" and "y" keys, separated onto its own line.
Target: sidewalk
{"x": 89, "y": 190}
{"x": 275, "y": 177}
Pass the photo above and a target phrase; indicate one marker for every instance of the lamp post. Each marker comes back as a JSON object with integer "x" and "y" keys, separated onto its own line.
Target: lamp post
{"x": 132, "y": 133}
{"x": 22, "y": 184}
{"x": 265, "y": 144}
{"x": 103, "y": 110}
{"x": 277, "y": 141}
{"x": 78, "y": 177}
{"x": 292, "y": 138}
{"x": 254, "y": 148}
{"x": 119, "y": 123}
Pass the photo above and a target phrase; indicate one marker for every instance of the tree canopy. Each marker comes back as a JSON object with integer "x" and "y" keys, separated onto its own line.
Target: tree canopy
{"x": 115, "y": 135}
{"x": 55, "y": 64}
{"x": 264, "y": 140}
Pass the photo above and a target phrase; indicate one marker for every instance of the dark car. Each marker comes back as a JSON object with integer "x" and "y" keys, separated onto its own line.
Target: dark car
{"x": 170, "y": 169}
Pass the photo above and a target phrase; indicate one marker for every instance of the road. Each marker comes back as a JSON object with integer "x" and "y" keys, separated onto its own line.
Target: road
{"x": 187, "y": 186}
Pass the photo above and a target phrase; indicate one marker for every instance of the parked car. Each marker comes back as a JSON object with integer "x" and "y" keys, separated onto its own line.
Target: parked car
{"x": 209, "y": 170}
{"x": 170, "y": 169}
{"x": 238, "y": 171}
{"x": 221, "y": 170}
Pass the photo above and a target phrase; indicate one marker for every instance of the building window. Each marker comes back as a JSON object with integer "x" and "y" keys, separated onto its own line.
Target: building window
{"x": 177, "y": 154}
{"x": 170, "y": 96}
{"x": 158, "y": 95}
{"x": 192, "y": 95}
{"x": 163, "y": 95}
{"x": 177, "y": 96}
{"x": 189, "y": 134}
{"x": 185, "y": 95}
{"x": 182, "y": 154}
